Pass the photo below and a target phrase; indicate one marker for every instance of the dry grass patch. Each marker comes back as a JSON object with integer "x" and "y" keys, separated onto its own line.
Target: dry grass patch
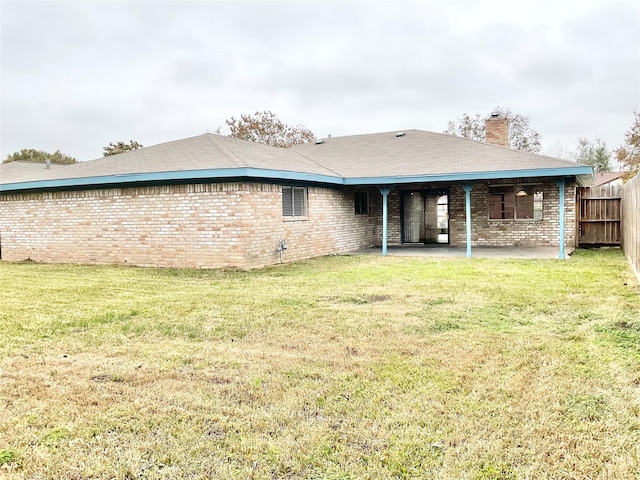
{"x": 348, "y": 367}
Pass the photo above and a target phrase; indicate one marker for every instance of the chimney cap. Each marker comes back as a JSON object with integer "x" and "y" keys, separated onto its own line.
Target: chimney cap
{"x": 495, "y": 115}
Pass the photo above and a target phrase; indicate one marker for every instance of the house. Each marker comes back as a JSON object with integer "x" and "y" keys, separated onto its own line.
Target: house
{"x": 609, "y": 178}
{"x": 213, "y": 201}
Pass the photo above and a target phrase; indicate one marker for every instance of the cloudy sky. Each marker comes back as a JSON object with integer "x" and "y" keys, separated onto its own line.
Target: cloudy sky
{"x": 78, "y": 74}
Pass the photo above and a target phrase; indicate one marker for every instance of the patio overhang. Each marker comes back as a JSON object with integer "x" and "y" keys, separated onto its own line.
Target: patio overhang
{"x": 583, "y": 174}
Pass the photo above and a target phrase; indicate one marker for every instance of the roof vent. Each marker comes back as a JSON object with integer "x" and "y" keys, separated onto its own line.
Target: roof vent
{"x": 319, "y": 142}
{"x": 400, "y": 134}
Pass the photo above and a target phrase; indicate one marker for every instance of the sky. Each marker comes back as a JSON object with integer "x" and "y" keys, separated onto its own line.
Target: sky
{"x": 77, "y": 75}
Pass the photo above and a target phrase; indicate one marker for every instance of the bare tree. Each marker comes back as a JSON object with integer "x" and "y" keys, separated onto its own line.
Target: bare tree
{"x": 265, "y": 127}
{"x": 560, "y": 149}
{"x": 467, "y": 127}
{"x": 521, "y": 135}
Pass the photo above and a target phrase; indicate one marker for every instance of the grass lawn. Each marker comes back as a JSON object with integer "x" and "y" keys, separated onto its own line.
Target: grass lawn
{"x": 356, "y": 367}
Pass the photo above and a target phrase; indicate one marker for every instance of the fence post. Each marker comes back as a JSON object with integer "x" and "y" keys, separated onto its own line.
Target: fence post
{"x": 631, "y": 223}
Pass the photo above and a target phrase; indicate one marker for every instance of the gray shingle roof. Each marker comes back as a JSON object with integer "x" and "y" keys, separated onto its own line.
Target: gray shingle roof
{"x": 204, "y": 152}
{"x": 417, "y": 153}
{"x": 16, "y": 171}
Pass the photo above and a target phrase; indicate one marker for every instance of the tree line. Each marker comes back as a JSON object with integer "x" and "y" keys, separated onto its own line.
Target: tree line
{"x": 265, "y": 127}
{"x": 40, "y": 156}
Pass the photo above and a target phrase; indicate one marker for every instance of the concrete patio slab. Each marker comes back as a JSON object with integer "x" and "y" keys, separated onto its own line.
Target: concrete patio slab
{"x": 479, "y": 252}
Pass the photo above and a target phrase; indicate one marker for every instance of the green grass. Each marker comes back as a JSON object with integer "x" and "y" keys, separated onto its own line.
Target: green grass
{"x": 355, "y": 367}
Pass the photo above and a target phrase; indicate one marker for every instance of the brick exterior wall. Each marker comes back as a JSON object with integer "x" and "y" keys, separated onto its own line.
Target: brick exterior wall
{"x": 239, "y": 224}
{"x": 518, "y": 233}
{"x": 202, "y": 226}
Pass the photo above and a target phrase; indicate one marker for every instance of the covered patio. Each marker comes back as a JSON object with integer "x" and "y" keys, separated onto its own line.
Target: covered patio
{"x": 510, "y": 213}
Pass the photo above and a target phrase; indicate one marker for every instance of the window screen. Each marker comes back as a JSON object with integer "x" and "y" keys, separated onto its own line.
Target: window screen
{"x": 294, "y": 201}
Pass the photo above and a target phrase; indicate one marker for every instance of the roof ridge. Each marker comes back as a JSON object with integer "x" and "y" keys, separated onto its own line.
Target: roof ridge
{"x": 226, "y": 152}
{"x": 317, "y": 163}
{"x": 34, "y": 162}
{"x": 389, "y": 132}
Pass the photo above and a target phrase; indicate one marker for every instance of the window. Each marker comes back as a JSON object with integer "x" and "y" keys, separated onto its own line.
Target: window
{"x": 442, "y": 212}
{"x": 294, "y": 201}
{"x": 515, "y": 202}
{"x": 361, "y": 200}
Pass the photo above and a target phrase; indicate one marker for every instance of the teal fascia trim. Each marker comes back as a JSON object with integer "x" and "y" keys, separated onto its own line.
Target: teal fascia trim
{"x": 561, "y": 222}
{"x": 172, "y": 176}
{"x": 467, "y": 202}
{"x": 385, "y": 213}
{"x": 470, "y": 176}
{"x": 261, "y": 173}
{"x": 286, "y": 175}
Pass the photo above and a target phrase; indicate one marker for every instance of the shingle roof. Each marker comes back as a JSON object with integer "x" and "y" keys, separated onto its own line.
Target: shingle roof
{"x": 606, "y": 177}
{"x": 374, "y": 156}
{"x": 418, "y": 152}
{"x": 204, "y": 152}
{"x": 16, "y": 171}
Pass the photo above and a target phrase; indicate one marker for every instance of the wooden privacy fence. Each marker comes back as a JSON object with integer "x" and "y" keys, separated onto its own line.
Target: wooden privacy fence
{"x": 599, "y": 215}
{"x": 631, "y": 225}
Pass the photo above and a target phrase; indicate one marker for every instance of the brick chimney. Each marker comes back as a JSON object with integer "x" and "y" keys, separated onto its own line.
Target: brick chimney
{"x": 497, "y": 130}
